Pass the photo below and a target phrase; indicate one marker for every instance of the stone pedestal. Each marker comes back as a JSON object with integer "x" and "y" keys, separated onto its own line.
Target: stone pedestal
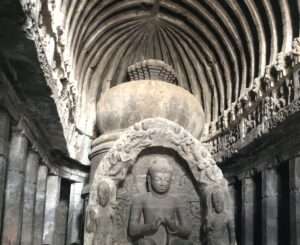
{"x": 248, "y": 212}
{"x": 52, "y": 201}
{"x": 4, "y": 143}
{"x": 270, "y": 187}
{"x": 40, "y": 199}
{"x": 14, "y": 190}
{"x": 75, "y": 218}
{"x": 29, "y": 198}
{"x": 295, "y": 201}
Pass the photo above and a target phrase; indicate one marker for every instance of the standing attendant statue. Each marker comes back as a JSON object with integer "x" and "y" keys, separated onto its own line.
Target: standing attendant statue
{"x": 219, "y": 228}
{"x": 100, "y": 216}
{"x": 158, "y": 217}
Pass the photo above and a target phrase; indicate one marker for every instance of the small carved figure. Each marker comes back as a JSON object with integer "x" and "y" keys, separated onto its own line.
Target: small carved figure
{"x": 219, "y": 229}
{"x": 157, "y": 217}
{"x": 280, "y": 66}
{"x": 100, "y": 217}
{"x": 296, "y": 51}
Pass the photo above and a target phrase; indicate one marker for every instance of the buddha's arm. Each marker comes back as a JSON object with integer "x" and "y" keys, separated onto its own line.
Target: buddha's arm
{"x": 136, "y": 229}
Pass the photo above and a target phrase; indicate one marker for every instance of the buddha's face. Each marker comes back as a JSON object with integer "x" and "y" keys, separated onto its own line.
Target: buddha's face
{"x": 161, "y": 182}
{"x": 218, "y": 201}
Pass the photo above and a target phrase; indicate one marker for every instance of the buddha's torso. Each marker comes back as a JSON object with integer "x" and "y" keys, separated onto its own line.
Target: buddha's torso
{"x": 163, "y": 207}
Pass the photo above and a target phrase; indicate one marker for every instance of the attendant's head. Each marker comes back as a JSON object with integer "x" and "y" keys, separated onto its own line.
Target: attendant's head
{"x": 218, "y": 201}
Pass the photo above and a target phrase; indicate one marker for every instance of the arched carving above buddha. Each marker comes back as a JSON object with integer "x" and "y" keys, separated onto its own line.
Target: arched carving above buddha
{"x": 157, "y": 225}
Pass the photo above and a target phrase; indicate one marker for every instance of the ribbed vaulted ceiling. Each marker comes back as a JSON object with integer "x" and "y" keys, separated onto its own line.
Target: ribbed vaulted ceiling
{"x": 217, "y": 47}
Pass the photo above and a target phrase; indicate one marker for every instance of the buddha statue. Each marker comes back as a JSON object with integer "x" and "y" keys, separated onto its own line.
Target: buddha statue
{"x": 158, "y": 217}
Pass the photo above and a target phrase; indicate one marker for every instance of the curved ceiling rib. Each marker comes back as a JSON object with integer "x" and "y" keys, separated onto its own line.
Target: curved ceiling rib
{"x": 217, "y": 48}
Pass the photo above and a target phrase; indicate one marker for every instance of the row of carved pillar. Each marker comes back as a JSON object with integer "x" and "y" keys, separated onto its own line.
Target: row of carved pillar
{"x": 268, "y": 206}
{"x": 30, "y": 196}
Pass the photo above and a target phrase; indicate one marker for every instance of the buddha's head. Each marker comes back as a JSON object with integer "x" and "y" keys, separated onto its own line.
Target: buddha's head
{"x": 160, "y": 174}
{"x": 218, "y": 201}
{"x": 103, "y": 193}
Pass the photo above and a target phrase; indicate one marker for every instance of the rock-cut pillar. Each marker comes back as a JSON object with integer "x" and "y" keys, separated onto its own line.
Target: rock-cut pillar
{"x": 248, "y": 210}
{"x": 75, "y": 217}
{"x": 4, "y": 145}
{"x": 29, "y": 198}
{"x": 295, "y": 201}
{"x": 39, "y": 209}
{"x": 14, "y": 190}
{"x": 270, "y": 188}
{"x": 52, "y": 202}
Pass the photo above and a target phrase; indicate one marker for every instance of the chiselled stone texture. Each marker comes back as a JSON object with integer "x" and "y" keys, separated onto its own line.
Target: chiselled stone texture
{"x": 215, "y": 48}
{"x": 4, "y": 143}
{"x": 39, "y": 210}
{"x": 129, "y": 103}
{"x": 51, "y": 208}
{"x": 31, "y": 171}
{"x": 112, "y": 190}
{"x": 12, "y": 219}
{"x": 75, "y": 216}
{"x": 270, "y": 189}
{"x": 273, "y": 99}
{"x": 152, "y": 70}
{"x": 61, "y": 222}
{"x": 294, "y": 200}
{"x": 248, "y": 210}
{"x": 20, "y": 64}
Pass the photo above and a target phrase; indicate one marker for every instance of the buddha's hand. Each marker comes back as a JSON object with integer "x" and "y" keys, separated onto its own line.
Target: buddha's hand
{"x": 155, "y": 225}
{"x": 171, "y": 225}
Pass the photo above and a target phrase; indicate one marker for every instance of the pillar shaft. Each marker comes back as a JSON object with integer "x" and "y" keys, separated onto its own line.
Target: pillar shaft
{"x": 4, "y": 143}
{"x": 39, "y": 210}
{"x": 61, "y": 222}
{"x": 52, "y": 201}
{"x": 14, "y": 190}
{"x": 270, "y": 187}
{"x": 248, "y": 212}
{"x": 29, "y": 198}
{"x": 75, "y": 214}
{"x": 295, "y": 201}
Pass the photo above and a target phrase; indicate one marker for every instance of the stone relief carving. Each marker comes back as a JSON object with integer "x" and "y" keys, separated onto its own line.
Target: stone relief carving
{"x": 164, "y": 216}
{"x": 218, "y": 227}
{"x": 272, "y": 99}
{"x": 100, "y": 215}
{"x": 159, "y": 224}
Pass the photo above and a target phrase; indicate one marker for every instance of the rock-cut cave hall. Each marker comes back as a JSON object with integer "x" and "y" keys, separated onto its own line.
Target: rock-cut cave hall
{"x": 150, "y": 122}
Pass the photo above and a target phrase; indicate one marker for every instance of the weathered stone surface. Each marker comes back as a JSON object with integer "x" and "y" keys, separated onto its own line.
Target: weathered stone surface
{"x": 61, "y": 223}
{"x": 32, "y": 167}
{"x": 40, "y": 200}
{"x": 14, "y": 190}
{"x": 75, "y": 216}
{"x": 4, "y": 143}
{"x": 164, "y": 215}
{"x": 294, "y": 201}
{"x": 110, "y": 200}
{"x": 270, "y": 189}
{"x": 248, "y": 212}
{"x": 51, "y": 208}
{"x": 129, "y": 103}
